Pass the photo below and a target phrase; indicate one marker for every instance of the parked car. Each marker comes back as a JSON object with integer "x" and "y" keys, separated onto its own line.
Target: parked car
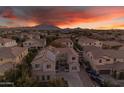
{"x": 95, "y": 76}
{"x": 98, "y": 79}
{"x": 91, "y": 71}
{"x": 94, "y": 72}
{"x": 87, "y": 70}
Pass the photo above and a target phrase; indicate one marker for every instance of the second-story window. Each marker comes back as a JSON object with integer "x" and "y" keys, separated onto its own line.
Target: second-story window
{"x": 107, "y": 59}
{"x": 2, "y": 44}
{"x": 73, "y": 58}
{"x": 29, "y": 43}
{"x": 74, "y": 68}
{"x": 37, "y": 65}
{"x": 100, "y": 61}
{"x": 48, "y": 66}
{"x": 1, "y": 59}
{"x": 48, "y": 77}
{"x": 91, "y": 57}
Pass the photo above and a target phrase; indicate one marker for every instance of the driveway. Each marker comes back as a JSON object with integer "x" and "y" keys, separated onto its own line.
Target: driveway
{"x": 72, "y": 78}
{"x": 86, "y": 79}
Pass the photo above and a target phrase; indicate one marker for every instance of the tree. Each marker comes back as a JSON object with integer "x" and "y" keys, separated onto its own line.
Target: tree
{"x": 107, "y": 84}
{"x": 21, "y": 75}
{"x": 50, "y": 39}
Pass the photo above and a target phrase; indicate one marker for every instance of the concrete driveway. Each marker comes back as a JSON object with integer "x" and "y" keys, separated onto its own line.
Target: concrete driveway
{"x": 72, "y": 78}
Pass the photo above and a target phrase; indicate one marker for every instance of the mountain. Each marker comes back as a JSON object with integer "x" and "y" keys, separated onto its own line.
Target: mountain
{"x": 46, "y": 27}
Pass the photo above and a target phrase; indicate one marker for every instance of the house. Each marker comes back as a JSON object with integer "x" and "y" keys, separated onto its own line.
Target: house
{"x": 104, "y": 61}
{"x": 63, "y": 42}
{"x": 4, "y": 42}
{"x": 34, "y": 43}
{"x": 34, "y": 36}
{"x": 10, "y": 56}
{"x": 23, "y": 35}
{"x": 84, "y": 41}
{"x": 111, "y": 44}
{"x": 121, "y": 48}
{"x": 43, "y": 68}
{"x": 68, "y": 57}
{"x": 51, "y": 61}
{"x": 121, "y": 37}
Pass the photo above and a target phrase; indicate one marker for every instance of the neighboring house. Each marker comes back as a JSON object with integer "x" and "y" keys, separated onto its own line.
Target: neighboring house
{"x": 10, "y": 56}
{"x": 104, "y": 61}
{"x": 63, "y": 42}
{"x": 34, "y": 36}
{"x": 23, "y": 35}
{"x": 51, "y": 61}
{"x": 111, "y": 44}
{"x": 121, "y": 37}
{"x": 4, "y": 42}
{"x": 84, "y": 41}
{"x": 34, "y": 43}
{"x": 121, "y": 48}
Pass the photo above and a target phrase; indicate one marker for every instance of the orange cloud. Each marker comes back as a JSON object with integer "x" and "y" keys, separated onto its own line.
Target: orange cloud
{"x": 113, "y": 26}
{"x": 62, "y": 16}
{"x": 8, "y": 13}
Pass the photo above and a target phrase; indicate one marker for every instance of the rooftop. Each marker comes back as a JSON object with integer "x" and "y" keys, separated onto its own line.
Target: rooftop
{"x": 10, "y": 52}
{"x": 87, "y": 40}
{"x": 99, "y": 52}
{"x": 5, "y": 40}
{"x": 114, "y": 43}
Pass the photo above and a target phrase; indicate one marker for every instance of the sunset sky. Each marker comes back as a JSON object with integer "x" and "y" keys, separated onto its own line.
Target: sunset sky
{"x": 64, "y": 17}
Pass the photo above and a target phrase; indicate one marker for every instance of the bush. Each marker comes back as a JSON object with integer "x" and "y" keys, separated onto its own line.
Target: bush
{"x": 121, "y": 75}
{"x": 58, "y": 83}
{"x": 50, "y": 39}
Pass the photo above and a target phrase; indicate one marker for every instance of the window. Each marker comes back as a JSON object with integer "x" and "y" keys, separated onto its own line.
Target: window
{"x": 29, "y": 43}
{"x": 100, "y": 61}
{"x": 1, "y": 59}
{"x": 114, "y": 59}
{"x": 67, "y": 43}
{"x": 37, "y": 78}
{"x": 48, "y": 77}
{"x": 43, "y": 77}
{"x": 37, "y": 65}
{"x": 107, "y": 59}
{"x": 48, "y": 66}
{"x": 91, "y": 57}
{"x": 2, "y": 44}
{"x": 73, "y": 58}
{"x": 25, "y": 43}
{"x": 74, "y": 68}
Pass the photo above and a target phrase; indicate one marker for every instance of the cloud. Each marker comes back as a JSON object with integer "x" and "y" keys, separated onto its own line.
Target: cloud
{"x": 60, "y": 16}
{"x": 8, "y": 13}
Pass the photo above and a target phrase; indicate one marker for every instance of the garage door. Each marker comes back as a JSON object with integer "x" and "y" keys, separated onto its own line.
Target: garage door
{"x": 104, "y": 71}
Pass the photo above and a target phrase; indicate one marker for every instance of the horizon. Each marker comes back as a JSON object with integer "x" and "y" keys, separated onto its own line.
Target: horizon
{"x": 89, "y": 17}
{"x": 31, "y": 27}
